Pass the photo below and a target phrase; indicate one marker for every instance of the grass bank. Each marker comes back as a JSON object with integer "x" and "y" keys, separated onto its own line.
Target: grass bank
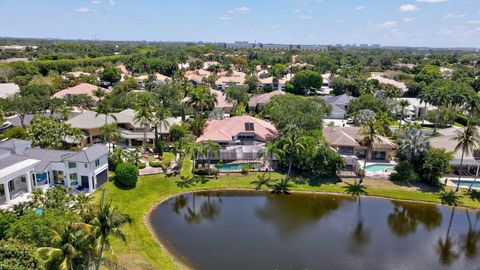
{"x": 143, "y": 252}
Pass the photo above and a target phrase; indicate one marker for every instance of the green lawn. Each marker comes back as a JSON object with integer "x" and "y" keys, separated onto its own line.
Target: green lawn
{"x": 143, "y": 252}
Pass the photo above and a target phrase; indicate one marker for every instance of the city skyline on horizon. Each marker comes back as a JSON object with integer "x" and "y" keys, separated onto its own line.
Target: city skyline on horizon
{"x": 414, "y": 23}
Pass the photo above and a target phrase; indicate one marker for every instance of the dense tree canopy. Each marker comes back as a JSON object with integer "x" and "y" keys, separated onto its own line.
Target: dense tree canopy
{"x": 294, "y": 111}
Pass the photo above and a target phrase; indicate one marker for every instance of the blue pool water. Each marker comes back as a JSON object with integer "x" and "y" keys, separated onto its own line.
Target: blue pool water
{"x": 237, "y": 166}
{"x": 379, "y": 167}
{"x": 467, "y": 184}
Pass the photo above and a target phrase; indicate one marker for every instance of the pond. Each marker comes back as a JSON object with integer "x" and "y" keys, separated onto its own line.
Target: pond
{"x": 257, "y": 230}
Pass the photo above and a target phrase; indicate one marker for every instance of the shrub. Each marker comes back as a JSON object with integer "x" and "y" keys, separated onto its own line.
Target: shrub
{"x": 142, "y": 165}
{"x": 404, "y": 173}
{"x": 245, "y": 169}
{"x": 204, "y": 171}
{"x": 187, "y": 167}
{"x": 155, "y": 164}
{"x": 126, "y": 175}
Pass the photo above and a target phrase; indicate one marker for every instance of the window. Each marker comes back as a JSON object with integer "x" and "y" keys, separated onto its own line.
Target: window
{"x": 86, "y": 165}
{"x": 72, "y": 165}
{"x": 249, "y": 127}
{"x": 97, "y": 162}
{"x": 73, "y": 179}
{"x": 58, "y": 178}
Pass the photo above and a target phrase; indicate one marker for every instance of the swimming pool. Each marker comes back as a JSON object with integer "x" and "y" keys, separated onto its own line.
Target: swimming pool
{"x": 466, "y": 184}
{"x": 237, "y": 166}
{"x": 379, "y": 167}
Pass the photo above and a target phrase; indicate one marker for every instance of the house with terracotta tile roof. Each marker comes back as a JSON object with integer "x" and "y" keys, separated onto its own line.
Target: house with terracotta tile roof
{"x": 240, "y": 137}
{"x": 347, "y": 141}
{"x": 257, "y": 102}
{"x": 81, "y": 89}
{"x": 236, "y": 78}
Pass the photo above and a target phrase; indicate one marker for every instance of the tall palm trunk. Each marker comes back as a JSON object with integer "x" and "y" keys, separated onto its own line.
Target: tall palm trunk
{"x": 459, "y": 174}
{"x": 474, "y": 179}
{"x": 145, "y": 127}
{"x": 364, "y": 166}
{"x": 209, "y": 162}
{"x": 289, "y": 170}
{"x": 100, "y": 256}
{"x": 401, "y": 118}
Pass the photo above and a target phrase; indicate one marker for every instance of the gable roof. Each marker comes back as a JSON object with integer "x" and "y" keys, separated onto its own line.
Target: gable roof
{"x": 227, "y": 129}
{"x": 46, "y": 156}
{"x": 263, "y": 99}
{"x": 338, "y": 100}
{"x": 89, "y": 154}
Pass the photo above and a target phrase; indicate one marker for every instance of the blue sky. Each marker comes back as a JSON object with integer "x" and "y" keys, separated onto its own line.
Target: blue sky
{"x": 436, "y": 23}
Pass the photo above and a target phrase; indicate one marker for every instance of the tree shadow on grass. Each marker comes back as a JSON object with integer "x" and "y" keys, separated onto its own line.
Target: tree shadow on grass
{"x": 119, "y": 186}
{"x": 191, "y": 182}
{"x": 474, "y": 195}
{"x": 317, "y": 182}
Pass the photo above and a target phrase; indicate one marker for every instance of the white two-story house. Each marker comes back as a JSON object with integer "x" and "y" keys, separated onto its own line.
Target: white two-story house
{"x": 23, "y": 168}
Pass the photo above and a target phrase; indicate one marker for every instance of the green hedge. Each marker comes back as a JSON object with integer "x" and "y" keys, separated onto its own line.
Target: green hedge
{"x": 126, "y": 175}
{"x": 461, "y": 119}
{"x": 204, "y": 171}
{"x": 155, "y": 164}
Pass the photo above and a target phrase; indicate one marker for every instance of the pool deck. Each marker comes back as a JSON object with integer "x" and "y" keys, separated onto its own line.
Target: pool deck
{"x": 378, "y": 174}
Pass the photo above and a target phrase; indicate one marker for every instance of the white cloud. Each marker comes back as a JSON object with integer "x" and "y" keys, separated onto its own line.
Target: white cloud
{"x": 473, "y": 22}
{"x": 388, "y": 24}
{"x": 112, "y": 2}
{"x": 432, "y": 1}
{"x": 83, "y": 10}
{"x": 409, "y": 19}
{"x": 451, "y": 16}
{"x": 360, "y": 8}
{"x": 96, "y": 1}
{"x": 240, "y": 10}
{"x": 304, "y": 17}
{"x": 408, "y": 8}
{"x": 224, "y": 18}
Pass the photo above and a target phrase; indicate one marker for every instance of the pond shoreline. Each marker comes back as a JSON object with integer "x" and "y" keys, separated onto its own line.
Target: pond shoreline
{"x": 183, "y": 265}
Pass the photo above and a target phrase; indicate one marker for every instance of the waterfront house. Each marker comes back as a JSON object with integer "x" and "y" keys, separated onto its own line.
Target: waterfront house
{"x": 348, "y": 141}
{"x": 241, "y": 137}
{"x": 131, "y": 131}
{"x": 24, "y": 168}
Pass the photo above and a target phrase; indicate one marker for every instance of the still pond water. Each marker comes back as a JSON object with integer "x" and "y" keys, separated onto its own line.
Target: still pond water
{"x": 248, "y": 230}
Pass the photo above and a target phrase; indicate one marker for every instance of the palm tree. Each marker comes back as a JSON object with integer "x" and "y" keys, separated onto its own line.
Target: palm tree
{"x": 111, "y": 133}
{"x": 108, "y": 222}
{"x": 144, "y": 114}
{"x": 403, "y": 104}
{"x": 467, "y": 141}
{"x": 160, "y": 119}
{"x": 105, "y": 108}
{"x": 293, "y": 145}
{"x": 66, "y": 247}
{"x": 413, "y": 145}
{"x": 268, "y": 154}
{"x": 210, "y": 148}
{"x": 370, "y": 132}
{"x": 201, "y": 98}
